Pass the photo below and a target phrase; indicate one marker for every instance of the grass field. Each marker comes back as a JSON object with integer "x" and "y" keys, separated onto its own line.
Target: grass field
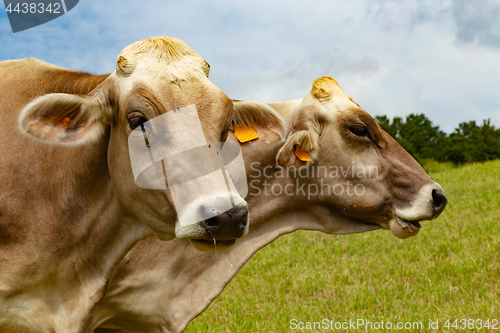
{"x": 450, "y": 270}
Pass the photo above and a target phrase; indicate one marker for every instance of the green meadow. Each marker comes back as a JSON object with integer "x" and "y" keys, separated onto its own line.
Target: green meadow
{"x": 449, "y": 271}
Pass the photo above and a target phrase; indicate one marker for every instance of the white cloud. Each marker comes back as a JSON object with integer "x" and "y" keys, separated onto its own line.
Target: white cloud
{"x": 392, "y": 57}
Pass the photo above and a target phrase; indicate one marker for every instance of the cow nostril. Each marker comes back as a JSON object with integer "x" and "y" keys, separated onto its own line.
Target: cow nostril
{"x": 230, "y": 224}
{"x": 212, "y": 223}
{"x": 243, "y": 223}
{"x": 439, "y": 199}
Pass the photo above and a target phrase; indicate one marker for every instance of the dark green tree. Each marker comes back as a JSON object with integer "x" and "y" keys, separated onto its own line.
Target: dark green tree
{"x": 416, "y": 134}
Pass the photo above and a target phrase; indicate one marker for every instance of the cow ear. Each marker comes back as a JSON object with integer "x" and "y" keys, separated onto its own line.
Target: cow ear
{"x": 258, "y": 123}
{"x": 300, "y": 147}
{"x": 302, "y": 143}
{"x": 65, "y": 118}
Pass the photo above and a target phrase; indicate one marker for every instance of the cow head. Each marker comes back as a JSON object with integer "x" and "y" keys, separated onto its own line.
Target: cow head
{"x": 338, "y": 165}
{"x": 361, "y": 171}
{"x": 153, "y": 77}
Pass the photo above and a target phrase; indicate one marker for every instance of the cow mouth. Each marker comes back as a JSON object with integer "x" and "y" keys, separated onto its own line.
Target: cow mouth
{"x": 213, "y": 244}
{"x": 403, "y": 229}
{"x": 408, "y": 224}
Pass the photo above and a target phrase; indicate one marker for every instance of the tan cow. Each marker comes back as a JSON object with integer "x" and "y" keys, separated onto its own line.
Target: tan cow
{"x": 70, "y": 211}
{"x": 360, "y": 179}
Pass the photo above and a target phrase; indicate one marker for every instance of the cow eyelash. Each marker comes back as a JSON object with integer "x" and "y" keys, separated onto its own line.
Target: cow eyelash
{"x": 359, "y": 130}
{"x": 136, "y": 121}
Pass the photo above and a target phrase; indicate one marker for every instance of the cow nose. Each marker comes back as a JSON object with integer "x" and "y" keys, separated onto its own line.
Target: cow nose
{"x": 439, "y": 201}
{"x": 230, "y": 224}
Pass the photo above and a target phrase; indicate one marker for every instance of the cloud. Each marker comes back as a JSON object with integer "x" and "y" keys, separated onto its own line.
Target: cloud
{"x": 477, "y": 21}
{"x": 392, "y": 57}
{"x": 293, "y": 80}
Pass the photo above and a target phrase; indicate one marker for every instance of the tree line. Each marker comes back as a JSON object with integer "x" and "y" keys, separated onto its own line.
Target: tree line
{"x": 469, "y": 142}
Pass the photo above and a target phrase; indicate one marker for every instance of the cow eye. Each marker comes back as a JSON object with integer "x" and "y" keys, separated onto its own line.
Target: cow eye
{"x": 359, "y": 130}
{"x": 136, "y": 121}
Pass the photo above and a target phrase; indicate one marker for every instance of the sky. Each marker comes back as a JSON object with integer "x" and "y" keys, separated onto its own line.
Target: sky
{"x": 394, "y": 58}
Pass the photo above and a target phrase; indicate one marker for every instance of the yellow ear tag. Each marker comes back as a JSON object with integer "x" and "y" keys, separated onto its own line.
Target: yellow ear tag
{"x": 301, "y": 155}
{"x": 244, "y": 133}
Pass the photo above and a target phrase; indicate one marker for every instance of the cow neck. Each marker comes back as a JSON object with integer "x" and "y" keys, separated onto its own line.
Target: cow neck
{"x": 270, "y": 217}
{"x": 72, "y": 232}
{"x": 108, "y": 233}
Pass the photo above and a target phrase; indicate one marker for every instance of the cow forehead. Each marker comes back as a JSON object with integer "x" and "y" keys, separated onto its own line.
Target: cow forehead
{"x": 159, "y": 74}
{"x": 157, "y": 60}
{"x": 153, "y": 67}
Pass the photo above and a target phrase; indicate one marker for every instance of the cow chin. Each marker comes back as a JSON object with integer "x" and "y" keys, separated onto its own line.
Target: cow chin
{"x": 203, "y": 240}
{"x": 213, "y": 245}
{"x": 404, "y": 229}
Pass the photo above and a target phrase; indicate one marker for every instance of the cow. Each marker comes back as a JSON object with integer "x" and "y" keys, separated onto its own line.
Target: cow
{"x": 71, "y": 210}
{"x": 287, "y": 192}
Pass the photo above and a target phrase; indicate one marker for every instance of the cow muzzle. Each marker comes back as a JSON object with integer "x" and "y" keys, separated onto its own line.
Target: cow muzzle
{"x": 218, "y": 232}
{"x": 428, "y": 205}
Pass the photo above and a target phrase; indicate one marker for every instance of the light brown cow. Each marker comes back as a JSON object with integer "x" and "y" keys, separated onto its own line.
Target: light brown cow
{"x": 286, "y": 194}
{"x": 70, "y": 211}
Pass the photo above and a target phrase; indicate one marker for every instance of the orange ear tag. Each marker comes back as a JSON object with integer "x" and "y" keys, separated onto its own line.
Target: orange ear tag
{"x": 244, "y": 133}
{"x": 301, "y": 155}
{"x": 66, "y": 121}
